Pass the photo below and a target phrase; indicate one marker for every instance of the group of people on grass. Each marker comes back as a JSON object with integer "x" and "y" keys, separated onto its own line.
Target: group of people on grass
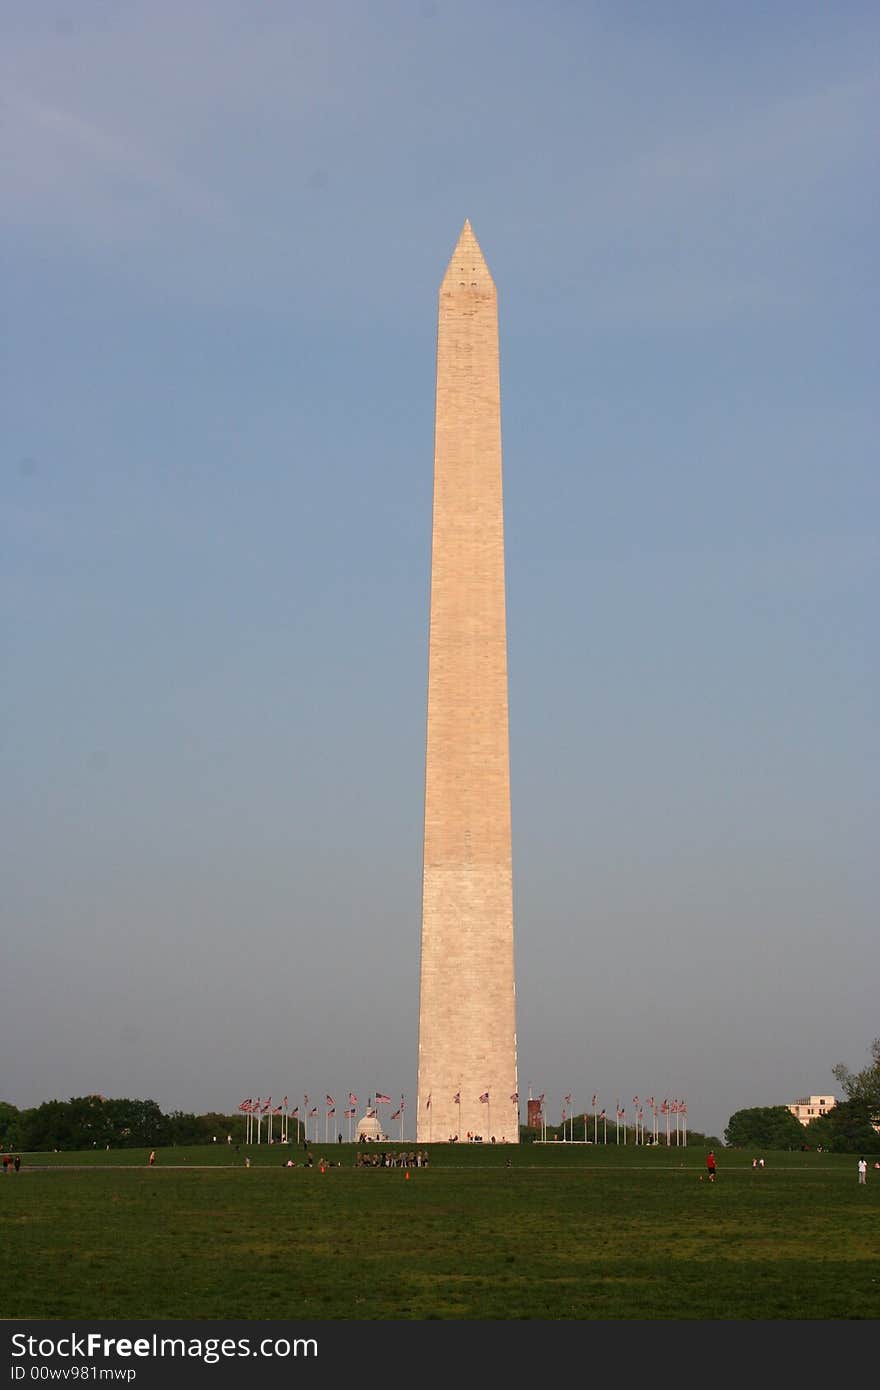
{"x": 387, "y": 1159}
{"x": 10, "y": 1164}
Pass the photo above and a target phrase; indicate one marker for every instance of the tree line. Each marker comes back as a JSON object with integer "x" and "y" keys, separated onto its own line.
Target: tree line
{"x": 96, "y": 1122}
{"x": 849, "y": 1127}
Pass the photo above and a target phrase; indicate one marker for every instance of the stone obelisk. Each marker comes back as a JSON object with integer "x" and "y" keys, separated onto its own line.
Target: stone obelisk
{"x": 467, "y": 1021}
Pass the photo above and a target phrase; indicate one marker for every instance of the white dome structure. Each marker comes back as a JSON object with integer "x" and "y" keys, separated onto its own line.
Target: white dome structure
{"x": 368, "y": 1126}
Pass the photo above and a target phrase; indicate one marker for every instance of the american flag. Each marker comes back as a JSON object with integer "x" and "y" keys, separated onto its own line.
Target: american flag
{"x": 295, "y": 1111}
{"x": 396, "y": 1115}
{"x": 284, "y": 1102}
{"x": 484, "y": 1098}
{"x": 595, "y": 1098}
{"x": 352, "y": 1098}
{"x": 567, "y": 1099}
{"x": 245, "y": 1104}
{"x": 268, "y": 1105}
{"x": 349, "y": 1114}
{"x": 306, "y": 1102}
{"x": 403, "y": 1102}
{"x": 331, "y": 1111}
{"x": 456, "y": 1099}
{"x": 602, "y": 1115}
{"x": 541, "y": 1098}
{"x": 371, "y": 1114}
{"x": 313, "y": 1112}
{"x": 515, "y": 1097}
{"x": 330, "y": 1100}
{"x": 635, "y": 1100}
{"x": 382, "y": 1099}
{"x": 279, "y": 1110}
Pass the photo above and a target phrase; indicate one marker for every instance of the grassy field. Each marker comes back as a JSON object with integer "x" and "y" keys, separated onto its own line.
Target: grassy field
{"x": 565, "y": 1231}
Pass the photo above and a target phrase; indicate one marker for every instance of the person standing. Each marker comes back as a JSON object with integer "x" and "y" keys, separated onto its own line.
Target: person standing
{"x": 711, "y": 1165}
{"x": 863, "y": 1172}
{"x": 152, "y": 1159}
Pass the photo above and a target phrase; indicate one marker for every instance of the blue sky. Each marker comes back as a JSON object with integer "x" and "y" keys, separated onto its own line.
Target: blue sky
{"x": 224, "y": 227}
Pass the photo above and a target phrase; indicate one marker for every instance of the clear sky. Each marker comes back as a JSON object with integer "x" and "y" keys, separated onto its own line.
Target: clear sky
{"x": 224, "y": 226}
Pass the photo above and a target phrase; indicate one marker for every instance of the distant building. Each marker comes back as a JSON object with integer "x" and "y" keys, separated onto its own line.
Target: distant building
{"x": 810, "y": 1107}
{"x": 368, "y": 1127}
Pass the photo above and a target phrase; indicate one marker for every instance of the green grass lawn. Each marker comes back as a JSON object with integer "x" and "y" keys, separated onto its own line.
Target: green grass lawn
{"x": 567, "y": 1231}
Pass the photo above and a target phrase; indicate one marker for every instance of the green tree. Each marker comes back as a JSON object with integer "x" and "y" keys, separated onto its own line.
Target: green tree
{"x": 10, "y": 1121}
{"x": 845, "y": 1129}
{"x": 136, "y": 1124}
{"x": 92, "y": 1122}
{"x": 863, "y": 1086}
{"x": 765, "y": 1127}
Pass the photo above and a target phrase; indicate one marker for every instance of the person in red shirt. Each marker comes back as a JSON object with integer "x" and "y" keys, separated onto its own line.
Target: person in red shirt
{"x": 710, "y": 1165}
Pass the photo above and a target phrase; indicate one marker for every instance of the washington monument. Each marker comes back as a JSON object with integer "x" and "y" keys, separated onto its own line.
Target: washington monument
{"x": 467, "y": 1019}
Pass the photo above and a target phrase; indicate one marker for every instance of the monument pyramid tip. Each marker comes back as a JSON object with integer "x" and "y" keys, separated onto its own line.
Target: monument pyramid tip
{"x": 468, "y": 249}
